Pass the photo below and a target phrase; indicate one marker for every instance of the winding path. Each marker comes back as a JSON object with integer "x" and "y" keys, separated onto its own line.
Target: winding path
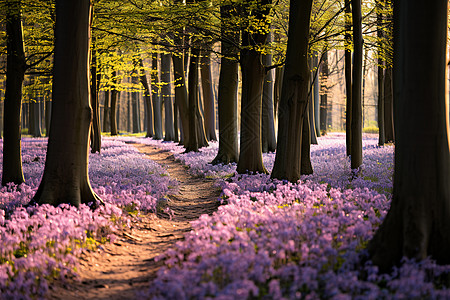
{"x": 120, "y": 269}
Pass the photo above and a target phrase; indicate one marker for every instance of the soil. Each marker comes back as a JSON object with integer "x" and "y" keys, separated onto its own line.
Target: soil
{"x": 118, "y": 270}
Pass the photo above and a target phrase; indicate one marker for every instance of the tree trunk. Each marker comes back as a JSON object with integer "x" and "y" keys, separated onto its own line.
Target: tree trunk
{"x": 181, "y": 96}
{"x": 15, "y": 72}
{"x": 208, "y": 96}
{"x": 380, "y": 36}
{"x": 324, "y": 94}
{"x": 253, "y": 73}
{"x": 96, "y": 135}
{"x": 269, "y": 143}
{"x": 418, "y": 223}
{"x": 311, "y": 117}
{"x": 193, "y": 101}
{"x": 135, "y": 114}
{"x": 65, "y": 178}
{"x": 348, "y": 77}
{"x": 306, "y": 166}
{"x": 316, "y": 96}
{"x": 156, "y": 98}
{"x": 114, "y": 98}
{"x": 147, "y": 99}
{"x": 356, "y": 130}
{"x": 294, "y": 95}
{"x": 388, "y": 107}
{"x": 106, "y": 110}
{"x": 227, "y": 95}
{"x": 166, "y": 93}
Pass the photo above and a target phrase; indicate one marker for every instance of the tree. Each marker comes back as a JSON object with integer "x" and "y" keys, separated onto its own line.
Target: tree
{"x": 15, "y": 72}
{"x": 294, "y": 95}
{"x": 65, "y": 178}
{"x": 418, "y": 222}
{"x": 254, "y": 36}
{"x": 114, "y": 97}
{"x": 166, "y": 91}
{"x": 156, "y": 98}
{"x": 208, "y": 95}
{"x": 228, "y": 85}
{"x": 348, "y": 76}
{"x": 356, "y": 123}
{"x": 96, "y": 134}
{"x": 380, "y": 35}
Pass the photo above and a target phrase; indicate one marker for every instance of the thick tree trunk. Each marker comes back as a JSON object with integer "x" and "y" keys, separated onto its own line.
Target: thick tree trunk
{"x": 96, "y": 135}
{"x": 348, "y": 77}
{"x": 227, "y": 95}
{"x": 418, "y": 223}
{"x": 114, "y": 98}
{"x": 388, "y": 107}
{"x": 15, "y": 72}
{"x": 253, "y": 73}
{"x": 324, "y": 94}
{"x": 208, "y": 96}
{"x": 269, "y": 143}
{"x": 65, "y": 178}
{"x": 294, "y": 97}
{"x": 356, "y": 130}
{"x": 156, "y": 98}
{"x": 166, "y": 93}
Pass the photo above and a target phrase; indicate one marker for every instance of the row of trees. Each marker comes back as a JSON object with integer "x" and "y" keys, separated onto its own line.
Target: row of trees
{"x": 416, "y": 226}
{"x": 126, "y": 41}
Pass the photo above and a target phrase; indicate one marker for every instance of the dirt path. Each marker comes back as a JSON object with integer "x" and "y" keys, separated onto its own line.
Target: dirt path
{"x": 118, "y": 270}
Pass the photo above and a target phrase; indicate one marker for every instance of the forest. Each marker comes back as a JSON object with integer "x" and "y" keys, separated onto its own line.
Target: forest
{"x": 224, "y": 149}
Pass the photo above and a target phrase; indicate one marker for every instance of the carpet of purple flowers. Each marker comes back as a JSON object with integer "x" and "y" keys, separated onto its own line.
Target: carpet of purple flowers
{"x": 269, "y": 239}
{"x": 277, "y": 240}
{"x": 41, "y": 243}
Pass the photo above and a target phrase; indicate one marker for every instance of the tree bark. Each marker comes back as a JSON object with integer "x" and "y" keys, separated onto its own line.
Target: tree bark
{"x": 96, "y": 135}
{"x": 15, "y": 72}
{"x": 181, "y": 96}
{"x": 306, "y": 166}
{"x": 193, "y": 101}
{"x": 166, "y": 93}
{"x": 418, "y": 222}
{"x": 294, "y": 95}
{"x": 135, "y": 114}
{"x": 388, "y": 107}
{"x": 348, "y": 77}
{"x": 253, "y": 73}
{"x": 324, "y": 94}
{"x": 147, "y": 99}
{"x": 106, "y": 110}
{"x": 156, "y": 98}
{"x": 356, "y": 130}
{"x": 381, "y": 64}
{"x": 114, "y": 98}
{"x": 65, "y": 178}
{"x": 269, "y": 143}
{"x": 208, "y": 95}
{"x": 227, "y": 94}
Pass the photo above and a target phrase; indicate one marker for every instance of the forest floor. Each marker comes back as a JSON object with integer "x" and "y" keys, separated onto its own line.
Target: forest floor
{"x": 118, "y": 270}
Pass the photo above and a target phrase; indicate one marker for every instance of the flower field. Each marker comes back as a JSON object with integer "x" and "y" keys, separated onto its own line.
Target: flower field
{"x": 268, "y": 240}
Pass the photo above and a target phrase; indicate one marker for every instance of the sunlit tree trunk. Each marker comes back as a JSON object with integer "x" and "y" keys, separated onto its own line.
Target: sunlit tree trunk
{"x": 269, "y": 143}
{"x": 380, "y": 36}
{"x": 227, "y": 95}
{"x": 65, "y": 178}
{"x": 348, "y": 76}
{"x": 418, "y": 222}
{"x": 356, "y": 130}
{"x": 156, "y": 98}
{"x": 15, "y": 72}
{"x": 294, "y": 96}
{"x": 166, "y": 93}
{"x": 208, "y": 95}
{"x": 324, "y": 93}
